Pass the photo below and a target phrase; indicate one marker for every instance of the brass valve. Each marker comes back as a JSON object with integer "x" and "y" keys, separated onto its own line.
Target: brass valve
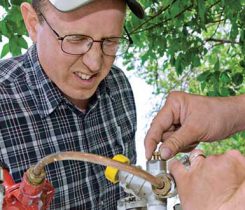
{"x": 156, "y": 156}
{"x": 158, "y": 167}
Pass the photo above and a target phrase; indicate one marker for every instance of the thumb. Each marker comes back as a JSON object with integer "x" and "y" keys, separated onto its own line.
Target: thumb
{"x": 177, "y": 142}
{"x": 161, "y": 123}
{"x": 176, "y": 169}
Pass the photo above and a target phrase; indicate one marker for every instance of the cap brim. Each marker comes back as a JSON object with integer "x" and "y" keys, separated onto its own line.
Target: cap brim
{"x": 136, "y": 8}
{"x": 69, "y": 5}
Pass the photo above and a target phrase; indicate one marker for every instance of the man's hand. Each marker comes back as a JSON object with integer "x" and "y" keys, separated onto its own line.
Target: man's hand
{"x": 213, "y": 183}
{"x": 185, "y": 120}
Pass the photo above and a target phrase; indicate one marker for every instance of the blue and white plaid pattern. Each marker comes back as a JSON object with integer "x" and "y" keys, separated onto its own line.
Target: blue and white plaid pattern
{"x": 36, "y": 120}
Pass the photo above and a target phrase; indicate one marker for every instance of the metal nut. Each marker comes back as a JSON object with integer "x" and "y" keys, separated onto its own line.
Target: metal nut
{"x": 163, "y": 192}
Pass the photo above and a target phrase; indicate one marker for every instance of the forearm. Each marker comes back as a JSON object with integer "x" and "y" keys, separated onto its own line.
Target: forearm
{"x": 236, "y": 108}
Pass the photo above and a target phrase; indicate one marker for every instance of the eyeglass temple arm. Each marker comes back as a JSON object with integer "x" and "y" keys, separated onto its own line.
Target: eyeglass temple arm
{"x": 129, "y": 37}
{"x": 58, "y": 36}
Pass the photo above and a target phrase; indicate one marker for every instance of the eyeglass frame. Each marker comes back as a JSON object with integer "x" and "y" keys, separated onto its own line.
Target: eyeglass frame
{"x": 61, "y": 38}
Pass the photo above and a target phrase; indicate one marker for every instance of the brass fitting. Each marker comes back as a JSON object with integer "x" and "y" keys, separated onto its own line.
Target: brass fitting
{"x": 156, "y": 156}
{"x": 164, "y": 191}
{"x": 35, "y": 179}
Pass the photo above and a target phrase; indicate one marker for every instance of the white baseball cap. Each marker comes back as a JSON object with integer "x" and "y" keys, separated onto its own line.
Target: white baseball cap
{"x": 69, "y": 5}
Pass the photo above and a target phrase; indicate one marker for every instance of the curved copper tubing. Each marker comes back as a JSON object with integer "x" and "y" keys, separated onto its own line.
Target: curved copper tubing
{"x": 97, "y": 159}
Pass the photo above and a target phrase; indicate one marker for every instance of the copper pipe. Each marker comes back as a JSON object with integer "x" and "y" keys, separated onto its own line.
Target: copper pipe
{"x": 97, "y": 159}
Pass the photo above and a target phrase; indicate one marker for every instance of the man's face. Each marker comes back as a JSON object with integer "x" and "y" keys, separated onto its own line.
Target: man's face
{"x": 78, "y": 76}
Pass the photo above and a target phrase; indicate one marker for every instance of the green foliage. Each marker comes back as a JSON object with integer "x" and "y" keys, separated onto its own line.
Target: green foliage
{"x": 192, "y": 45}
{"x": 12, "y": 27}
{"x": 222, "y": 80}
{"x": 191, "y": 39}
{"x": 235, "y": 142}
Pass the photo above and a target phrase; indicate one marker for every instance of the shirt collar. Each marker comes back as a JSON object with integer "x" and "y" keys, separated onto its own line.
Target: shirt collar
{"x": 47, "y": 94}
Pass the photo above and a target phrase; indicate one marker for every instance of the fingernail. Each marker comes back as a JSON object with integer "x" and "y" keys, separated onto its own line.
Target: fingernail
{"x": 166, "y": 153}
{"x": 147, "y": 155}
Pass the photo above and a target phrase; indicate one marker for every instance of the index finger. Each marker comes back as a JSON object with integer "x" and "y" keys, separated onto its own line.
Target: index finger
{"x": 159, "y": 125}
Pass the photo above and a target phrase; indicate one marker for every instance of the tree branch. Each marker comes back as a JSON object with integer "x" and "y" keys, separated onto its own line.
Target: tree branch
{"x": 161, "y": 23}
{"x": 152, "y": 17}
{"x": 217, "y": 25}
{"x": 221, "y": 41}
{"x": 214, "y": 4}
{"x": 216, "y": 21}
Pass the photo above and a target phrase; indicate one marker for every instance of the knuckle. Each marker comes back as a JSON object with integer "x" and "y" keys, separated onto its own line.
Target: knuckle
{"x": 233, "y": 153}
{"x": 213, "y": 159}
{"x": 174, "y": 96}
{"x": 235, "y": 156}
{"x": 174, "y": 143}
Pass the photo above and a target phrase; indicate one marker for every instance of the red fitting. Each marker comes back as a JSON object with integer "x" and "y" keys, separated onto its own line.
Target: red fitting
{"x": 8, "y": 180}
{"x": 26, "y": 196}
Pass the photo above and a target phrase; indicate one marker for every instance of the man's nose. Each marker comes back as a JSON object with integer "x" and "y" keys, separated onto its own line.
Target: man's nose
{"x": 94, "y": 57}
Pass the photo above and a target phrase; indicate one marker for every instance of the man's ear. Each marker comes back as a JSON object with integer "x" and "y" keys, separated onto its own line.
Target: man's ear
{"x": 31, "y": 19}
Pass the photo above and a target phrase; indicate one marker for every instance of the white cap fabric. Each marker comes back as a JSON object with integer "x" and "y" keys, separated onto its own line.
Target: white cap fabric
{"x": 69, "y": 5}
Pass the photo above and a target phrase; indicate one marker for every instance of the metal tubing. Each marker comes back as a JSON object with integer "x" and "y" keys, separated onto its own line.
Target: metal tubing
{"x": 97, "y": 159}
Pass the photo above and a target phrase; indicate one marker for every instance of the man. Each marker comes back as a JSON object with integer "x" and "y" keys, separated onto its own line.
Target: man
{"x": 213, "y": 183}
{"x": 64, "y": 94}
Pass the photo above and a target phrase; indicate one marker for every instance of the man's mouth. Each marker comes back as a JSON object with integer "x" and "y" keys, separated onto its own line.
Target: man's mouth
{"x": 83, "y": 76}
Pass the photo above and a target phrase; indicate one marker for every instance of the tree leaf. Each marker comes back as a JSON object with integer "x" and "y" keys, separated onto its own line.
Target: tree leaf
{"x": 203, "y": 76}
{"x": 5, "y": 50}
{"x": 217, "y": 65}
{"x": 22, "y": 42}
{"x": 237, "y": 79}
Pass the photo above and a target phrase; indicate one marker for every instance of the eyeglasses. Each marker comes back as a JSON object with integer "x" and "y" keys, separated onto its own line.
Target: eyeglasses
{"x": 79, "y": 44}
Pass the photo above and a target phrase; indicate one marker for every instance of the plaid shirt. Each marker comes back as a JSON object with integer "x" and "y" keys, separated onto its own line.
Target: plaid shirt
{"x": 36, "y": 120}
